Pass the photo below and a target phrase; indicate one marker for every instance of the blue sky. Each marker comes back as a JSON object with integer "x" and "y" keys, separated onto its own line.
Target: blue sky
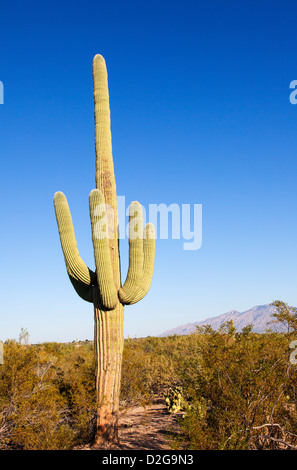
{"x": 200, "y": 114}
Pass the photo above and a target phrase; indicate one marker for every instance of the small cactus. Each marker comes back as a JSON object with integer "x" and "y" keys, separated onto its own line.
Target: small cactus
{"x": 174, "y": 400}
{"x": 103, "y": 287}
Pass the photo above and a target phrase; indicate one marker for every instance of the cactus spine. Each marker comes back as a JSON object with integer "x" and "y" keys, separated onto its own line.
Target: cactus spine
{"x": 103, "y": 287}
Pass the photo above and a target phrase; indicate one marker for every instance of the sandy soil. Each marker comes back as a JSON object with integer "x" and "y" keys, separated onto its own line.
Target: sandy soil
{"x": 144, "y": 429}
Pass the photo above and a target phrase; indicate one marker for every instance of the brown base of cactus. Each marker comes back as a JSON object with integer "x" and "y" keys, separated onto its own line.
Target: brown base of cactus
{"x": 107, "y": 430}
{"x": 109, "y": 343}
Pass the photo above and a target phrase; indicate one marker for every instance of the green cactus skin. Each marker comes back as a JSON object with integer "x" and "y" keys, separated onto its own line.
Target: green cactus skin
{"x": 103, "y": 287}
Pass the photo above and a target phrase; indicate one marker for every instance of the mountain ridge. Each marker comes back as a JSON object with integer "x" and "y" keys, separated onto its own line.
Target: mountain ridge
{"x": 260, "y": 316}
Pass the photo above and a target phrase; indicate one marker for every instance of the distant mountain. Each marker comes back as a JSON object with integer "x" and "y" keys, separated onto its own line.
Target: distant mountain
{"x": 259, "y": 316}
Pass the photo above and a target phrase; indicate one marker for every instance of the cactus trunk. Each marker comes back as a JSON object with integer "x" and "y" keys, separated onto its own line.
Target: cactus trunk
{"x": 108, "y": 330}
{"x": 108, "y": 342}
{"x": 103, "y": 287}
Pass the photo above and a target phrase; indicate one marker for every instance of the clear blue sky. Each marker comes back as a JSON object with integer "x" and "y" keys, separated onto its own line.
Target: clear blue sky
{"x": 200, "y": 110}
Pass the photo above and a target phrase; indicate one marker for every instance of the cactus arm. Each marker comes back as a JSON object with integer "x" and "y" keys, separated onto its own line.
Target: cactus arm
{"x": 83, "y": 290}
{"x": 135, "y": 271}
{"x": 140, "y": 289}
{"x": 100, "y": 236}
{"x": 80, "y": 275}
{"x": 149, "y": 249}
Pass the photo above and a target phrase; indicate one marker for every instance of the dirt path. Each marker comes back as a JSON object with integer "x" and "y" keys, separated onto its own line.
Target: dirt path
{"x": 144, "y": 429}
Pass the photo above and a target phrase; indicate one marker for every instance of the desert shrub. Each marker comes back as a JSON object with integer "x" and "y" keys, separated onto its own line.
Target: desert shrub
{"x": 33, "y": 414}
{"x": 241, "y": 390}
{"x": 47, "y": 395}
{"x": 146, "y": 370}
{"x": 77, "y": 383}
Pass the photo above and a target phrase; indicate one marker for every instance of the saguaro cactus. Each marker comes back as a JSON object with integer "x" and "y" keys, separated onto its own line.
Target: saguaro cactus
{"x": 103, "y": 287}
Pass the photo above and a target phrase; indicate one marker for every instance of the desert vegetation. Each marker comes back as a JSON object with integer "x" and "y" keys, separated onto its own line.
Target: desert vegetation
{"x": 232, "y": 390}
